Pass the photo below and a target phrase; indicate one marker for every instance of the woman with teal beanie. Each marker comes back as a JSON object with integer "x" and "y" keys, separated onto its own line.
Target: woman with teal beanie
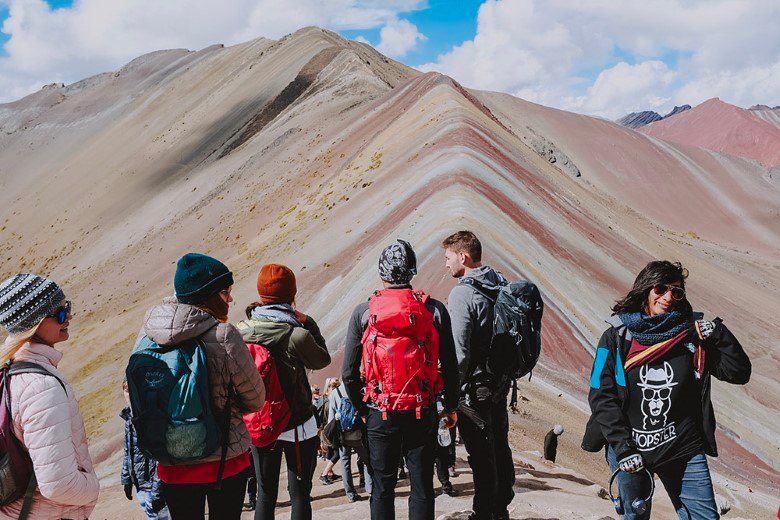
{"x": 199, "y": 311}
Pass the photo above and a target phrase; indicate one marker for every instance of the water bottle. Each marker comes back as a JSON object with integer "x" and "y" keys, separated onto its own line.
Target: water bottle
{"x": 444, "y": 433}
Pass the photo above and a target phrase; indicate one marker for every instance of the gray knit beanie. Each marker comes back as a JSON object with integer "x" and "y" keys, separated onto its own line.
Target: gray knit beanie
{"x": 25, "y": 299}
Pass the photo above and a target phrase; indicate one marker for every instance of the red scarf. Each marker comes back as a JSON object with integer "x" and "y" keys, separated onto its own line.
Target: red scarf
{"x": 640, "y": 354}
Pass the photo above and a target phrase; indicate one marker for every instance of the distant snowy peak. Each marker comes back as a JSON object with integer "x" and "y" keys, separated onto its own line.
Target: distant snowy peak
{"x": 640, "y": 119}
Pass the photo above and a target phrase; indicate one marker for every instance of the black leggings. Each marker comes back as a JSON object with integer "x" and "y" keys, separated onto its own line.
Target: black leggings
{"x": 188, "y": 501}
{"x": 268, "y": 465}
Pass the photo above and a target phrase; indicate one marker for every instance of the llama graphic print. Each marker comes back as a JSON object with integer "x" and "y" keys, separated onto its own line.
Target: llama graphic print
{"x": 656, "y": 385}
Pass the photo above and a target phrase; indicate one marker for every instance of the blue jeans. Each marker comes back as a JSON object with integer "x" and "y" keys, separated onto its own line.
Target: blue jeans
{"x": 346, "y": 464}
{"x": 145, "y": 499}
{"x": 688, "y": 483}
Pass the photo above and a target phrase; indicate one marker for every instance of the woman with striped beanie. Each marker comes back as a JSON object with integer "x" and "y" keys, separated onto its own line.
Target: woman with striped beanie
{"x": 45, "y": 413}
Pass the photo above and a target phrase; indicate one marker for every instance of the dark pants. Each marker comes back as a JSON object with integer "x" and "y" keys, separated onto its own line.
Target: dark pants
{"x": 268, "y": 464}
{"x": 445, "y": 457}
{"x": 486, "y": 437}
{"x": 385, "y": 440}
{"x": 188, "y": 501}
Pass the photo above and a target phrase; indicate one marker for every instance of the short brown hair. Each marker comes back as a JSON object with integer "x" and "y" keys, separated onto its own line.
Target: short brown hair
{"x": 464, "y": 242}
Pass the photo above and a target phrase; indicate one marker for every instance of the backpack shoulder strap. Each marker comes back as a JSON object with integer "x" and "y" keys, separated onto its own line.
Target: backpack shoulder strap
{"x": 481, "y": 289}
{"x": 26, "y": 367}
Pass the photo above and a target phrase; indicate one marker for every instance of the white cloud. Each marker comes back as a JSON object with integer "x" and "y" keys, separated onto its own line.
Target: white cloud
{"x": 94, "y": 36}
{"x": 685, "y": 52}
{"x": 625, "y": 85}
{"x": 398, "y": 37}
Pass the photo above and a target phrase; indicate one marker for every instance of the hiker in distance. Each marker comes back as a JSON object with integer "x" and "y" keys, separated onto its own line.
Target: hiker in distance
{"x": 284, "y": 343}
{"x": 49, "y": 473}
{"x": 190, "y": 337}
{"x": 650, "y": 393}
{"x": 401, "y": 337}
{"x": 489, "y": 362}
{"x": 351, "y": 441}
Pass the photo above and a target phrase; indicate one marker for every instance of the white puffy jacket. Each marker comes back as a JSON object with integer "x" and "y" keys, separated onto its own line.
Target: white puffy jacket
{"x": 49, "y": 423}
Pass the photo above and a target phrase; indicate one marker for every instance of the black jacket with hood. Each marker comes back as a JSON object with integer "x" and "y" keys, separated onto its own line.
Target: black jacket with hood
{"x": 608, "y": 397}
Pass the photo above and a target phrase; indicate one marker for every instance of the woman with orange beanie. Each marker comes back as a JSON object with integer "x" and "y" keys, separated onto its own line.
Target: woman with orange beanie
{"x": 294, "y": 342}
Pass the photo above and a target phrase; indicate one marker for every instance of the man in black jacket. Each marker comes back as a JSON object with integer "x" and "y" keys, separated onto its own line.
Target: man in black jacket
{"x": 392, "y": 431}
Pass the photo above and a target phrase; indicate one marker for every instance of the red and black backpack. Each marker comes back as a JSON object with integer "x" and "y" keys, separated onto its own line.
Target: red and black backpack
{"x": 267, "y": 425}
{"x": 401, "y": 352}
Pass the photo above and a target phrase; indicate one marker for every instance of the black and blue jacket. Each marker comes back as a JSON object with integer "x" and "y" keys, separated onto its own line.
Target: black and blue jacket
{"x": 608, "y": 396}
{"x": 138, "y": 469}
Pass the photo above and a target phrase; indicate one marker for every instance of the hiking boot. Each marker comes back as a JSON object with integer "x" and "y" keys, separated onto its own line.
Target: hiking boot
{"x": 326, "y": 479}
{"x": 447, "y": 489}
{"x": 353, "y": 497}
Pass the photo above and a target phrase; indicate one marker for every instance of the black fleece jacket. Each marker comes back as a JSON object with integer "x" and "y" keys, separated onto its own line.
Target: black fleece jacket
{"x": 608, "y": 397}
{"x": 353, "y": 353}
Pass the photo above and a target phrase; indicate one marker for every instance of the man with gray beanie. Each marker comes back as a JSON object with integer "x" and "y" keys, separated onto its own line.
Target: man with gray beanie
{"x": 402, "y": 340}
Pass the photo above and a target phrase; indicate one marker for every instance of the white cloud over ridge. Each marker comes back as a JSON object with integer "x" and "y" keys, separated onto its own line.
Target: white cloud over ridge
{"x": 643, "y": 55}
{"x": 398, "y": 37}
{"x": 93, "y": 36}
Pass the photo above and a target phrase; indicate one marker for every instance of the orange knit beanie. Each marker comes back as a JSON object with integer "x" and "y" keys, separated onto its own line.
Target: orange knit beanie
{"x": 276, "y": 284}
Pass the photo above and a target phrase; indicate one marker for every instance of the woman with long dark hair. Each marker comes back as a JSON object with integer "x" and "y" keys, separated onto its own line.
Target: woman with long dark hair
{"x": 650, "y": 393}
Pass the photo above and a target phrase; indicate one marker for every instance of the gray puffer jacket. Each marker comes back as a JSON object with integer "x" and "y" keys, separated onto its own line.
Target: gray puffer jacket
{"x": 472, "y": 322}
{"x": 228, "y": 358}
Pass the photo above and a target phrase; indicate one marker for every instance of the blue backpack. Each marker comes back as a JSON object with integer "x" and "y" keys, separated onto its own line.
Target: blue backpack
{"x": 349, "y": 423}
{"x": 349, "y": 419}
{"x": 171, "y": 403}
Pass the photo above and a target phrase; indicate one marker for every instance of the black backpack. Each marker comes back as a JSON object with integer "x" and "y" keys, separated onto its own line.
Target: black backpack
{"x": 517, "y": 328}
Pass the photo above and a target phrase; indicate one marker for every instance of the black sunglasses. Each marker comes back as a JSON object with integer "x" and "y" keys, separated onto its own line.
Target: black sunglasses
{"x": 61, "y": 314}
{"x": 678, "y": 293}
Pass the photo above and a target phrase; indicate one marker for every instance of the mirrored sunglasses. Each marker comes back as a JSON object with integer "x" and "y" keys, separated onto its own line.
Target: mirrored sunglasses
{"x": 62, "y": 313}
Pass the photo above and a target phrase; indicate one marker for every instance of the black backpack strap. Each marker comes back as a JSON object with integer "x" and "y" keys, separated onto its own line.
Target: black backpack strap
{"x": 481, "y": 289}
{"x": 26, "y": 367}
{"x": 225, "y": 440}
{"x": 28, "y": 497}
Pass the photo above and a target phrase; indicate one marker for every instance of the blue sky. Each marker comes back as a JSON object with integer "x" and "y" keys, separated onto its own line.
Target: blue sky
{"x": 598, "y": 57}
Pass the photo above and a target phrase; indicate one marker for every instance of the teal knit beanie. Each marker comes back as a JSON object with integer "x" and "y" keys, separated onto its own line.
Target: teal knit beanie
{"x": 200, "y": 276}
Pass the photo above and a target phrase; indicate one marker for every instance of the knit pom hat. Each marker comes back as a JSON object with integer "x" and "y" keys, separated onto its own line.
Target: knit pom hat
{"x": 276, "y": 284}
{"x": 398, "y": 263}
{"x": 25, "y": 299}
{"x": 200, "y": 276}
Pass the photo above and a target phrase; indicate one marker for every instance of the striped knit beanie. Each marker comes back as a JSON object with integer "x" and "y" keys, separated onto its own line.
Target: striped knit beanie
{"x": 25, "y": 299}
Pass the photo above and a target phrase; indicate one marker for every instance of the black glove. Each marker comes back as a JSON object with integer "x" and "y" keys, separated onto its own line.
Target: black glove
{"x": 158, "y": 504}
{"x": 129, "y": 491}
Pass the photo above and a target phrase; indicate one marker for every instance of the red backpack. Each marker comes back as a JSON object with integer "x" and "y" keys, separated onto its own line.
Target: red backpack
{"x": 268, "y": 424}
{"x": 400, "y": 351}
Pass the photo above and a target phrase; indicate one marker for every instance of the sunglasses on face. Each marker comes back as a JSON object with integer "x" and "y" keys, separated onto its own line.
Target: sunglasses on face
{"x": 678, "y": 293}
{"x": 62, "y": 313}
